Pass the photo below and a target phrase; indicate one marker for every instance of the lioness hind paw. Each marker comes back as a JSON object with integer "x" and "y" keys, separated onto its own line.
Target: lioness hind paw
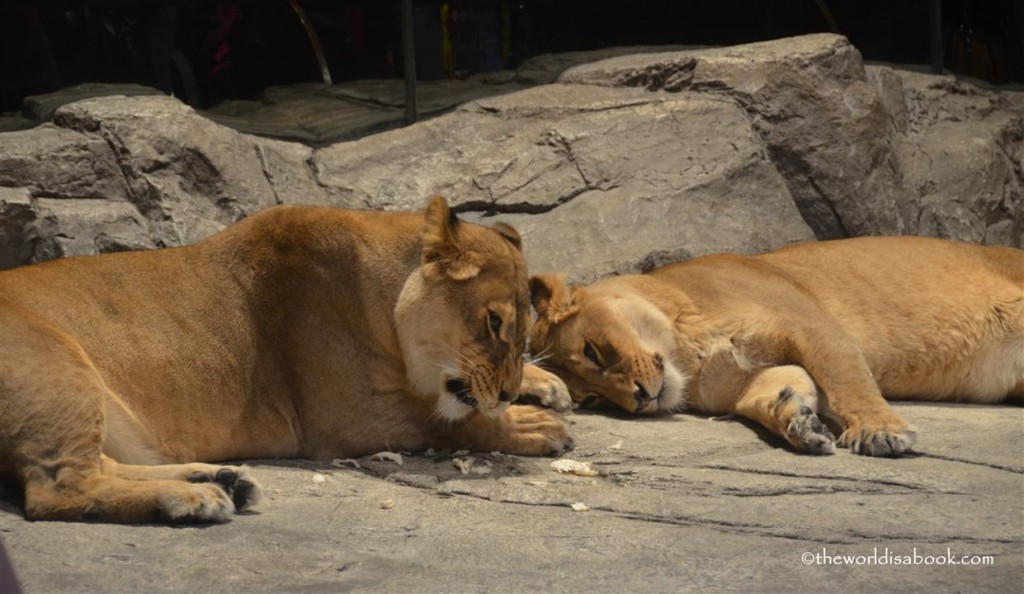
{"x": 808, "y": 434}
{"x": 196, "y": 503}
{"x": 236, "y": 482}
{"x": 878, "y": 441}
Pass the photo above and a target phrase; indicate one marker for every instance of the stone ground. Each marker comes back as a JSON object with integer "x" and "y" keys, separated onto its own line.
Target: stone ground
{"x": 682, "y": 503}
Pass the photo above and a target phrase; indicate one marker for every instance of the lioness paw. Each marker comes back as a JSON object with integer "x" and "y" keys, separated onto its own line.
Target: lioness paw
{"x": 196, "y": 503}
{"x": 533, "y": 431}
{"x": 808, "y": 434}
{"x": 879, "y": 440}
{"x": 543, "y": 388}
{"x": 235, "y": 481}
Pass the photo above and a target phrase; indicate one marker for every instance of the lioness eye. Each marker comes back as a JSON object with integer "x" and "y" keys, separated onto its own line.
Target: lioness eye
{"x": 494, "y": 321}
{"x": 591, "y": 353}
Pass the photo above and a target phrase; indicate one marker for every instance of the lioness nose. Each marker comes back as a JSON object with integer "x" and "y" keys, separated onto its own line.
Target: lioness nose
{"x": 641, "y": 395}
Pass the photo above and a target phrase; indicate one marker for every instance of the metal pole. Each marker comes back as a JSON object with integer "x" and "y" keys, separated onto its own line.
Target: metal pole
{"x": 409, "y": 59}
{"x": 314, "y": 40}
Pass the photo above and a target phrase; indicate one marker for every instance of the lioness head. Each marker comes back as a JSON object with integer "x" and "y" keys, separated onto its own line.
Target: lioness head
{"x": 463, "y": 315}
{"x": 606, "y": 346}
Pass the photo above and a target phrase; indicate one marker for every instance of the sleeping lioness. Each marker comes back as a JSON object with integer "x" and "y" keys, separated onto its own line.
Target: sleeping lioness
{"x": 300, "y": 331}
{"x": 816, "y": 329}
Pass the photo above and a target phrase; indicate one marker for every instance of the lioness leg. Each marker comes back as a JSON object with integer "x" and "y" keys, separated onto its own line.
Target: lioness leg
{"x": 237, "y": 481}
{"x": 785, "y": 400}
{"x": 62, "y": 471}
{"x": 838, "y": 366}
{"x": 51, "y": 431}
{"x": 77, "y": 495}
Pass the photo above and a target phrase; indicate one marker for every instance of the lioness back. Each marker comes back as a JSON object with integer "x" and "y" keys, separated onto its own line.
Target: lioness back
{"x": 190, "y": 336}
{"x": 929, "y": 314}
{"x": 920, "y": 307}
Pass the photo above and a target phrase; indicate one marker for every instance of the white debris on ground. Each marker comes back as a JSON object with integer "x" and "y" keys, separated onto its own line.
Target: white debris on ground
{"x": 616, "y": 446}
{"x": 566, "y": 466}
{"x": 388, "y": 456}
{"x": 468, "y": 465}
{"x": 463, "y": 464}
{"x": 580, "y": 507}
{"x": 319, "y": 479}
{"x": 386, "y": 503}
{"x": 339, "y": 463}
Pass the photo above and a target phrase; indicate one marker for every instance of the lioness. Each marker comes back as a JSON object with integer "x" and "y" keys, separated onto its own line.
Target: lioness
{"x": 819, "y": 328}
{"x": 298, "y": 332}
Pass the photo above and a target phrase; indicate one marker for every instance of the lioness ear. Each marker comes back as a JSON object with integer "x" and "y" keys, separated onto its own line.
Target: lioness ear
{"x": 552, "y": 299}
{"x": 441, "y": 251}
{"x": 509, "y": 233}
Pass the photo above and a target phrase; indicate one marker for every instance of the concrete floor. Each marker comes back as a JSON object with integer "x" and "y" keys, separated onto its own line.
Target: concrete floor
{"x": 682, "y": 503}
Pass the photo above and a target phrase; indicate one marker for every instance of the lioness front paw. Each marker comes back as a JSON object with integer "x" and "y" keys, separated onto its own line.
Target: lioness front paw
{"x": 236, "y": 482}
{"x": 532, "y": 431}
{"x": 879, "y": 440}
{"x": 543, "y": 388}
{"x": 808, "y": 434}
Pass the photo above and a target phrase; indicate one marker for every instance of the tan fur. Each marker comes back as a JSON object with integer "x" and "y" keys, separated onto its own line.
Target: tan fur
{"x": 300, "y": 331}
{"x": 825, "y": 327}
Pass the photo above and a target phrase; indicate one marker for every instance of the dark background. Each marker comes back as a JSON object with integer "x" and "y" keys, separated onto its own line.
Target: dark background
{"x": 205, "y": 52}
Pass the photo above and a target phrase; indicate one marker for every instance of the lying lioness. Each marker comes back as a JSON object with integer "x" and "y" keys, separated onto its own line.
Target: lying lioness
{"x": 299, "y": 331}
{"x": 819, "y": 328}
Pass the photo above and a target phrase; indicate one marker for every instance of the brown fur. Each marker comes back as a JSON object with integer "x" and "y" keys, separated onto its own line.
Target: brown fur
{"x": 824, "y": 327}
{"x": 298, "y": 332}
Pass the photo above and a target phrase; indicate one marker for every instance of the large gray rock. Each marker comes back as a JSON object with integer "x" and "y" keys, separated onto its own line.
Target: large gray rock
{"x": 188, "y": 176}
{"x": 960, "y": 155}
{"x": 42, "y": 107}
{"x": 87, "y": 227}
{"x": 57, "y": 163}
{"x": 598, "y": 180}
{"x": 118, "y": 172}
{"x": 546, "y": 68}
{"x": 967, "y": 186}
{"x": 824, "y": 124}
{"x": 17, "y": 236}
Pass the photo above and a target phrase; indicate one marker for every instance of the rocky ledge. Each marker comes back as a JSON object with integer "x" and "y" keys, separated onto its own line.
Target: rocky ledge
{"x": 618, "y": 165}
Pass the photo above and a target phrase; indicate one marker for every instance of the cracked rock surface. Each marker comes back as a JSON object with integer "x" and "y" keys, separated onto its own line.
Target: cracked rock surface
{"x": 680, "y": 503}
